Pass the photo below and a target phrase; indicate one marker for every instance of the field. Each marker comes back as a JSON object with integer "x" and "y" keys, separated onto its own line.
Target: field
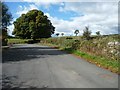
{"x": 17, "y": 41}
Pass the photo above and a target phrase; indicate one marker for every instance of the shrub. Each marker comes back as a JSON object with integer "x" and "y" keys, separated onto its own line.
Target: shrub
{"x": 87, "y": 33}
{"x": 76, "y": 44}
{"x": 69, "y": 38}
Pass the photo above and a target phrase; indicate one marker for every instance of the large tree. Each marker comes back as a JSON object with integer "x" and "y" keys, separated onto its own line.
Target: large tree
{"x": 6, "y": 18}
{"x": 32, "y": 25}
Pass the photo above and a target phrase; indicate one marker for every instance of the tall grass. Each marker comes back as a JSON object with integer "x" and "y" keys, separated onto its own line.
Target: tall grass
{"x": 99, "y": 61}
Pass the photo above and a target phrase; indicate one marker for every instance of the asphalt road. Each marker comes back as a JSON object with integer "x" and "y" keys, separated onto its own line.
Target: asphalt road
{"x": 35, "y": 66}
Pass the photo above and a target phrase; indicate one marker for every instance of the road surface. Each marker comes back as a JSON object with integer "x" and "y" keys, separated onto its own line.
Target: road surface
{"x": 35, "y": 66}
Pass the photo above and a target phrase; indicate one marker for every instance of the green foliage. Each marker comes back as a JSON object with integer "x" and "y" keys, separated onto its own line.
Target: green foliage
{"x": 95, "y": 46}
{"x": 86, "y": 33}
{"x": 99, "y": 61}
{"x": 33, "y": 25}
{"x": 98, "y": 33}
{"x": 69, "y": 38}
{"x": 95, "y": 50}
{"x": 4, "y": 42}
{"x": 76, "y": 45}
{"x": 6, "y": 15}
{"x": 6, "y": 18}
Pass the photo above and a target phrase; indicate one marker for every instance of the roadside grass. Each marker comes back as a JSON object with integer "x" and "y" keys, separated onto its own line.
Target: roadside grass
{"x": 111, "y": 65}
{"x": 103, "y": 62}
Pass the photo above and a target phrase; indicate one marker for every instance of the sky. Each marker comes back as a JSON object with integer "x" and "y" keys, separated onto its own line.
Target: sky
{"x": 66, "y": 17}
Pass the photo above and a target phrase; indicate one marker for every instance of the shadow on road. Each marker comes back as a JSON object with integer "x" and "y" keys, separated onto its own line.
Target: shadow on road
{"x": 8, "y": 84}
{"x": 28, "y": 53}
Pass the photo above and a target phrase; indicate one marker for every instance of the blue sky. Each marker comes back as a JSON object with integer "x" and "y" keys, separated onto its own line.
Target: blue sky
{"x": 52, "y": 10}
{"x": 69, "y": 16}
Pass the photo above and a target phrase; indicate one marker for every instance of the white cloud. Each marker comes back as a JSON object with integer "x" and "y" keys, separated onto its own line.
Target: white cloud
{"x": 60, "y": 0}
{"x": 99, "y": 16}
{"x": 25, "y": 9}
{"x": 91, "y": 7}
{"x": 45, "y": 3}
{"x": 42, "y": 1}
{"x": 63, "y": 26}
{"x": 11, "y": 27}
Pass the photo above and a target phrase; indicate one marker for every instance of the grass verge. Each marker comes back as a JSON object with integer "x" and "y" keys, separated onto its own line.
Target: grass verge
{"x": 111, "y": 65}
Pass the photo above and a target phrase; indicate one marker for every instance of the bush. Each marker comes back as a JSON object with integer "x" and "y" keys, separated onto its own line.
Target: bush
{"x": 76, "y": 45}
{"x": 4, "y": 42}
{"x": 87, "y": 33}
{"x": 69, "y": 38}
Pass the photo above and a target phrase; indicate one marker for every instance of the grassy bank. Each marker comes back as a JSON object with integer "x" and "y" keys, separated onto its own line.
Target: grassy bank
{"x": 104, "y": 46}
{"x": 102, "y": 51}
{"x": 99, "y": 61}
{"x": 102, "y": 62}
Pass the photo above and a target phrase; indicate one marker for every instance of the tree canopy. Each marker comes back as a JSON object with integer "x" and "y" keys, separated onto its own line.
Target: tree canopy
{"x": 32, "y": 25}
{"x": 6, "y": 21}
{"x": 76, "y": 32}
{"x": 98, "y": 33}
{"x": 6, "y": 15}
{"x": 86, "y": 33}
{"x": 62, "y": 34}
{"x": 57, "y": 34}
